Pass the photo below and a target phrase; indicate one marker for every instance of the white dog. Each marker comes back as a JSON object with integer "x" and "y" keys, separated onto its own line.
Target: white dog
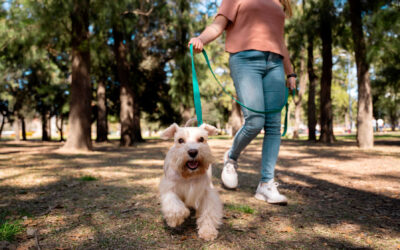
{"x": 187, "y": 180}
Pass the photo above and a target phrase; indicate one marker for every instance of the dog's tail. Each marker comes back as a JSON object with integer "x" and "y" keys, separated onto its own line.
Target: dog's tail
{"x": 191, "y": 122}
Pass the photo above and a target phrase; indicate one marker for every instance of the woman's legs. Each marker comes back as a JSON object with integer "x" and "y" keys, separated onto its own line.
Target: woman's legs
{"x": 260, "y": 84}
{"x": 247, "y": 71}
{"x": 274, "y": 93}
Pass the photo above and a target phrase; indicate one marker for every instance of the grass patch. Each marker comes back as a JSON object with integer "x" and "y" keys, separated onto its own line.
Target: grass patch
{"x": 9, "y": 229}
{"x": 240, "y": 208}
{"x": 88, "y": 178}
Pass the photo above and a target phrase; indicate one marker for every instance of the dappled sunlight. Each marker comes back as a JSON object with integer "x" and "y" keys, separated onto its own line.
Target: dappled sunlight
{"x": 333, "y": 201}
{"x": 147, "y": 162}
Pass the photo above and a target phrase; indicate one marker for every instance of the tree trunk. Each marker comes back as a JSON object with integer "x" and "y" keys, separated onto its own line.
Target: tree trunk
{"x": 79, "y": 120}
{"x": 235, "y": 118}
{"x": 3, "y": 121}
{"x": 45, "y": 131}
{"x": 326, "y": 117}
{"x": 186, "y": 113}
{"x": 136, "y": 120}
{"x": 49, "y": 127}
{"x": 365, "y": 135}
{"x": 298, "y": 102}
{"x": 17, "y": 129}
{"x": 23, "y": 128}
{"x": 60, "y": 128}
{"x": 126, "y": 96}
{"x": 102, "y": 128}
{"x": 311, "y": 116}
{"x": 393, "y": 121}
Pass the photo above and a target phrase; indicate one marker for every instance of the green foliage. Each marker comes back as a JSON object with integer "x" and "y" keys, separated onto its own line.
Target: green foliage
{"x": 88, "y": 178}
{"x": 9, "y": 229}
{"x": 35, "y": 56}
{"x": 240, "y": 208}
{"x": 385, "y": 56}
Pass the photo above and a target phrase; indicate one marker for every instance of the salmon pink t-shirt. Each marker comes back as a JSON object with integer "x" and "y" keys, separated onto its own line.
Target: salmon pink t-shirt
{"x": 253, "y": 25}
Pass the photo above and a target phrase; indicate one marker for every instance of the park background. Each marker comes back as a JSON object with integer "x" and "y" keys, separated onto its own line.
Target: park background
{"x": 86, "y": 87}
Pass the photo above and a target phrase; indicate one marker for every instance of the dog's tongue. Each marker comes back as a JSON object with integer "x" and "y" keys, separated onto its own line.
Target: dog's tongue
{"x": 192, "y": 164}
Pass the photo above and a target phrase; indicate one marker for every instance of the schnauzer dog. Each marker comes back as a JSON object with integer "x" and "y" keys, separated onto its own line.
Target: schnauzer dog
{"x": 187, "y": 180}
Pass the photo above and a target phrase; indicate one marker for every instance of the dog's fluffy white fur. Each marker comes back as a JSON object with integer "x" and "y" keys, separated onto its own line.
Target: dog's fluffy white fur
{"x": 187, "y": 180}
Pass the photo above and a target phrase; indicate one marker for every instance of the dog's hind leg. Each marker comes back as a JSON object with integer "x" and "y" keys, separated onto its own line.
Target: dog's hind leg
{"x": 209, "y": 215}
{"x": 173, "y": 209}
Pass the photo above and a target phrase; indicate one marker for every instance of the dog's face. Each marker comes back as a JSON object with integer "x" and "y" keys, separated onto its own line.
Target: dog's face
{"x": 190, "y": 155}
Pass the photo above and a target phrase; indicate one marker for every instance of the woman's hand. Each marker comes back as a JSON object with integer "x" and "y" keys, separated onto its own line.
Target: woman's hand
{"x": 197, "y": 44}
{"x": 291, "y": 83}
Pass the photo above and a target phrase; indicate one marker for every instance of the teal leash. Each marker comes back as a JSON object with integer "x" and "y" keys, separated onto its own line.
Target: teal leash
{"x": 197, "y": 101}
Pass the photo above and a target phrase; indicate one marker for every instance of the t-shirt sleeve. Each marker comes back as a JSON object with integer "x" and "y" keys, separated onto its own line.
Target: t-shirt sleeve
{"x": 229, "y": 9}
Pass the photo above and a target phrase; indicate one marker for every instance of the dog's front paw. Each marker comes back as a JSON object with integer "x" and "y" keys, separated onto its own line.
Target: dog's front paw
{"x": 208, "y": 233}
{"x": 175, "y": 218}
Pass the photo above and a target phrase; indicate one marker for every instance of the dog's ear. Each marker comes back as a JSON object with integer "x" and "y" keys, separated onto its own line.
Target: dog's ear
{"x": 169, "y": 132}
{"x": 210, "y": 129}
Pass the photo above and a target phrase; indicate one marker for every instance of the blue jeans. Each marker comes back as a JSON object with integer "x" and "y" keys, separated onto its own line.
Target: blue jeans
{"x": 259, "y": 79}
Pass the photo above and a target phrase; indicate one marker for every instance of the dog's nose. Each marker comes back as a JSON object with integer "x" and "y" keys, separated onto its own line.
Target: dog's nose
{"x": 192, "y": 152}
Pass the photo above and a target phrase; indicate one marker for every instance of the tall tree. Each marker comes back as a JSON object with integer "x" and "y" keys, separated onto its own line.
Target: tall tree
{"x": 365, "y": 136}
{"x": 127, "y": 96}
{"x": 326, "y": 116}
{"x": 79, "y": 135}
{"x": 312, "y": 78}
{"x": 102, "y": 127}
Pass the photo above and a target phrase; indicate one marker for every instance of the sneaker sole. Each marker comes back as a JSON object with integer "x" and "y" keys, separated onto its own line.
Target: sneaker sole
{"x": 262, "y": 198}
{"x": 226, "y": 187}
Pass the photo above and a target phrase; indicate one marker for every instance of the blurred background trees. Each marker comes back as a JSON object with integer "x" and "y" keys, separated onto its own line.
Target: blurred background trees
{"x": 121, "y": 69}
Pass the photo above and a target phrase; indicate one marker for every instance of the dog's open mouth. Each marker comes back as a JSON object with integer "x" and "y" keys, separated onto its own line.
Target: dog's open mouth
{"x": 192, "y": 165}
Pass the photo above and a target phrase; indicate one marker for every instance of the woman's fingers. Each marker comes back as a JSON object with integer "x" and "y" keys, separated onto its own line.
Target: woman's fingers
{"x": 291, "y": 83}
{"x": 197, "y": 44}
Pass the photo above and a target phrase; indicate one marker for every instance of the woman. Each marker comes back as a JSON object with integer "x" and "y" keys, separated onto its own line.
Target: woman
{"x": 258, "y": 62}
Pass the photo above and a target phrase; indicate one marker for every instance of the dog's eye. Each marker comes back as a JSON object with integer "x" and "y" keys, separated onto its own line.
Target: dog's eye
{"x": 201, "y": 139}
{"x": 180, "y": 140}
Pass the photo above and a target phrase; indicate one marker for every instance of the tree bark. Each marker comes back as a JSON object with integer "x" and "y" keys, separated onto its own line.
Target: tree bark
{"x": 298, "y": 102}
{"x": 126, "y": 96}
{"x": 365, "y": 135}
{"x": 136, "y": 121}
{"x": 45, "y": 130}
{"x": 23, "y": 127}
{"x": 61, "y": 127}
{"x": 326, "y": 117}
{"x": 79, "y": 120}
{"x": 311, "y": 112}
{"x": 3, "y": 121}
{"x": 102, "y": 127}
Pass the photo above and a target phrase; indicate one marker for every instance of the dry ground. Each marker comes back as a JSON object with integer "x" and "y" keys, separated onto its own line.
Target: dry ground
{"x": 340, "y": 198}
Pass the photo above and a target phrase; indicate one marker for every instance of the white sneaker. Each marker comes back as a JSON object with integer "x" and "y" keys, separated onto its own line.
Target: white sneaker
{"x": 229, "y": 176}
{"x": 269, "y": 192}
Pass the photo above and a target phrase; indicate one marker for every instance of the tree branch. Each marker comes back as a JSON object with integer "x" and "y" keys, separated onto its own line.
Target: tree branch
{"x": 139, "y": 12}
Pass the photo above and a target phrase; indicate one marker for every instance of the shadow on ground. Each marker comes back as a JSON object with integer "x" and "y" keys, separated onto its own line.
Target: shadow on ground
{"x": 120, "y": 210}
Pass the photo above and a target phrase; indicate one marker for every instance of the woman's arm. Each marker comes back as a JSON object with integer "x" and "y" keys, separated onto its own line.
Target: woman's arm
{"x": 291, "y": 82}
{"x": 212, "y": 31}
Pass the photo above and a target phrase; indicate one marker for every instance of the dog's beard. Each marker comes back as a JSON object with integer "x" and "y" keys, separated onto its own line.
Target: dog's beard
{"x": 193, "y": 167}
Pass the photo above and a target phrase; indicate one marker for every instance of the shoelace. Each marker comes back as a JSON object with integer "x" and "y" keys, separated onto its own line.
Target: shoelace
{"x": 272, "y": 186}
{"x": 231, "y": 167}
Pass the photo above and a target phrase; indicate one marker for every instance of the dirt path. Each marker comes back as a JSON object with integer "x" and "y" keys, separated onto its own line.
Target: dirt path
{"x": 340, "y": 197}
